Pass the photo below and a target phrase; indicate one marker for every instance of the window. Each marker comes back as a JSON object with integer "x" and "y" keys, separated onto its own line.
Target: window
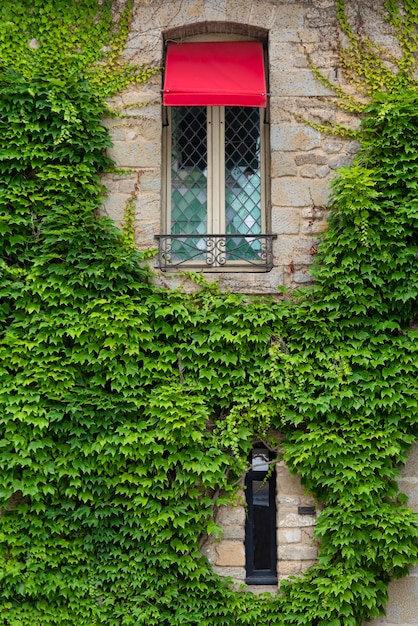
{"x": 260, "y": 527}
{"x": 215, "y": 169}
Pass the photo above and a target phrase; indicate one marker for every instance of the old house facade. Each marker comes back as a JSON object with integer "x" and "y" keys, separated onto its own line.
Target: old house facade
{"x": 237, "y": 188}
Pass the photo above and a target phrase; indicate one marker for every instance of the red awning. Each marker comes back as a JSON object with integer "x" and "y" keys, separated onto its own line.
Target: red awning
{"x": 216, "y": 73}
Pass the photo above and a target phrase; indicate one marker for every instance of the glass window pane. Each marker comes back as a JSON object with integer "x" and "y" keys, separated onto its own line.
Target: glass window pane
{"x": 242, "y": 181}
{"x": 261, "y": 525}
{"x": 260, "y": 459}
{"x": 188, "y": 181}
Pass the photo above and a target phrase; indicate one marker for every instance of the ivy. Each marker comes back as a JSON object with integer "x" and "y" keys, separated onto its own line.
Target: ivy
{"x": 128, "y": 410}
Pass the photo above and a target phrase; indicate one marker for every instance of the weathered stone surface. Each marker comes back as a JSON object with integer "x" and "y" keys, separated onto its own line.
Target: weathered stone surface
{"x": 290, "y": 17}
{"x": 293, "y": 520}
{"x": 230, "y": 515}
{"x": 340, "y": 161}
{"x": 288, "y": 501}
{"x": 294, "y": 138}
{"x": 311, "y": 157}
{"x": 282, "y": 164}
{"x": 139, "y": 153}
{"x": 297, "y": 82}
{"x": 302, "y": 277}
{"x": 289, "y": 535}
{"x": 236, "y": 573}
{"x": 308, "y": 171}
{"x": 234, "y": 532}
{"x": 215, "y": 10}
{"x": 313, "y": 227}
{"x": 402, "y": 608}
{"x": 289, "y": 568}
{"x": 411, "y": 466}
{"x": 238, "y": 11}
{"x": 285, "y": 221}
{"x": 297, "y": 553}
{"x": 293, "y": 251}
{"x": 263, "y": 13}
{"x": 114, "y": 206}
{"x": 288, "y": 483}
{"x": 230, "y": 554}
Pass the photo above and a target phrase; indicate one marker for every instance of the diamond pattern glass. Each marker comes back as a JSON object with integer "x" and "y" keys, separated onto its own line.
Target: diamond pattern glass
{"x": 188, "y": 180}
{"x": 242, "y": 180}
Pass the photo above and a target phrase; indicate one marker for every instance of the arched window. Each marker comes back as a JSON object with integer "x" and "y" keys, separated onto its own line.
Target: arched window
{"x": 260, "y": 527}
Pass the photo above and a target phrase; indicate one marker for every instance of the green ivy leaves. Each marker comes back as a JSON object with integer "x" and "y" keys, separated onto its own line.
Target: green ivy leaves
{"x": 127, "y": 410}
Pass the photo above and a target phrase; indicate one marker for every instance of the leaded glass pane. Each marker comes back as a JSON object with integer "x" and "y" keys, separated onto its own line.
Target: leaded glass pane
{"x": 189, "y": 181}
{"x": 242, "y": 181}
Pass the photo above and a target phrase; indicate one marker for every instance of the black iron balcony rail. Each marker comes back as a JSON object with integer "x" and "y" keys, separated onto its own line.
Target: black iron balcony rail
{"x": 216, "y": 252}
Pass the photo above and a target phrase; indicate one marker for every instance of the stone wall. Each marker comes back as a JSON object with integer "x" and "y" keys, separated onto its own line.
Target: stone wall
{"x": 302, "y": 163}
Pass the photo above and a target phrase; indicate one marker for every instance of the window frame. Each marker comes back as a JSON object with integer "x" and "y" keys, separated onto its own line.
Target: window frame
{"x": 256, "y": 576}
{"x": 217, "y": 245}
{"x": 215, "y": 129}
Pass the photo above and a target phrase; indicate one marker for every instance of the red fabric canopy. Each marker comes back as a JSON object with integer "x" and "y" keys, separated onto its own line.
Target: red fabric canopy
{"x": 216, "y": 73}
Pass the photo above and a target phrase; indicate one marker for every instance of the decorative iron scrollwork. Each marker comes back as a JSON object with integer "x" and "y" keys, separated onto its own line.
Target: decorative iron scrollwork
{"x": 233, "y": 252}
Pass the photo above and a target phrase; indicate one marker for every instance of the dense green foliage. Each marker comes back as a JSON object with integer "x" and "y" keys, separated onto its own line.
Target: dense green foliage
{"x": 127, "y": 410}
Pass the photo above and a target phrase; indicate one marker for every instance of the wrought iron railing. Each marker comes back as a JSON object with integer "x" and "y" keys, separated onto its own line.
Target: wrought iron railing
{"x": 216, "y": 252}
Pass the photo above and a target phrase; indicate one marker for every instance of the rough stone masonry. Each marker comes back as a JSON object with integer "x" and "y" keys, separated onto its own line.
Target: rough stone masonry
{"x": 301, "y": 163}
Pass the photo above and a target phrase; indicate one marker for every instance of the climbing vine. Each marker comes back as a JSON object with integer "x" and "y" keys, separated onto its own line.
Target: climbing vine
{"x": 128, "y": 410}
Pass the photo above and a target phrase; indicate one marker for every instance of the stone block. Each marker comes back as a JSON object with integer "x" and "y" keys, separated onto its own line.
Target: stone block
{"x": 297, "y": 553}
{"x": 314, "y": 158}
{"x": 288, "y": 501}
{"x": 282, "y": 164}
{"x": 308, "y": 171}
{"x": 252, "y": 282}
{"x": 238, "y": 11}
{"x": 302, "y": 277}
{"x": 285, "y": 221}
{"x": 288, "y": 483}
{"x": 293, "y": 520}
{"x": 332, "y": 145}
{"x": 234, "y": 532}
{"x": 215, "y": 10}
{"x": 230, "y": 554}
{"x": 289, "y": 568}
{"x": 282, "y": 55}
{"x": 281, "y": 34}
{"x": 297, "y": 82}
{"x": 289, "y": 17}
{"x": 314, "y": 227}
{"x": 150, "y": 181}
{"x": 236, "y": 573}
{"x": 139, "y": 153}
{"x": 127, "y": 185}
{"x": 262, "y": 14}
{"x": 289, "y": 535}
{"x": 290, "y": 192}
{"x": 272, "y": 589}
{"x": 294, "y": 138}
{"x": 147, "y": 208}
{"x": 114, "y": 206}
{"x": 342, "y": 160}
{"x": 409, "y": 486}
{"x": 307, "y": 535}
{"x": 293, "y": 251}
{"x": 230, "y": 515}
{"x": 323, "y": 171}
